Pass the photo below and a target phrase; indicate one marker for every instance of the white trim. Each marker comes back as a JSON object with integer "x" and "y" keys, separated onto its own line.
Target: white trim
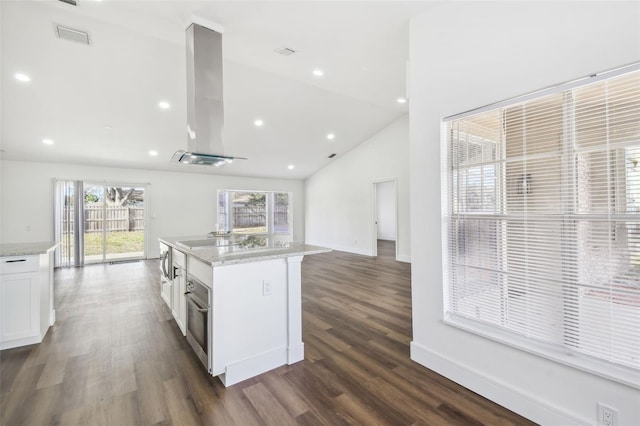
{"x": 195, "y": 19}
{"x": 403, "y": 258}
{"x": 527, "y": 405}
{"x": 295, "y": 346}
{"x": 107, "y": 182}
{"x": 620, "y": 374}
{"x": 251, "y": 367}
{"x": 547, "y": 91}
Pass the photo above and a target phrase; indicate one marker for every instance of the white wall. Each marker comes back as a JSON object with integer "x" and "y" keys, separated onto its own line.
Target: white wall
{"x": 339, "y": 198}
{"x": 386, "y": 208}
{"x": 178, "y": 204}
{"x": 465, "y": 55}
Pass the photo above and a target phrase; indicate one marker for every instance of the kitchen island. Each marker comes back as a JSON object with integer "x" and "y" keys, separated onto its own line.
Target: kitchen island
{"x": 248, "y": 320}
{"x": 26, "y": 293}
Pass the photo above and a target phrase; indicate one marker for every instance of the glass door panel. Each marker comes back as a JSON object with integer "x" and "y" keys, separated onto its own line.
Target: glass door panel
{"x": 94, "y": 205}
{"x": 124, "y": 222}
{"x": 113, "y": 223}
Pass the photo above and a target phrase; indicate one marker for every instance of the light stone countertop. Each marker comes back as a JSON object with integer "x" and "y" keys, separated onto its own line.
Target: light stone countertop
{"x": 26, "y": 249}
{"x": 243, "y": 251}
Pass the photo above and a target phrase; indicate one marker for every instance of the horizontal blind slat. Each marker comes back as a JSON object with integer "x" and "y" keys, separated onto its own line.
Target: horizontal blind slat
{"x": 542, "y": 219}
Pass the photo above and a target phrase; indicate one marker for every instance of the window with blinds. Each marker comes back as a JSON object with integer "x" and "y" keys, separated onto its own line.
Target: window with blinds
{"x": 542, "y": 221}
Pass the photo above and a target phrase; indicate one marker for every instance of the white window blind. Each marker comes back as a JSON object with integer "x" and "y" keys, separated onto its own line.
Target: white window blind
{"x": 542, "y": 221}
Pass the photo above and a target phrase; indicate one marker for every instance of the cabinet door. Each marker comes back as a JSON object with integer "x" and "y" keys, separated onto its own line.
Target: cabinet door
{"x": 179, "y": 307}
{"x": 167, "y": 292}
{"x": 19, "y": 303}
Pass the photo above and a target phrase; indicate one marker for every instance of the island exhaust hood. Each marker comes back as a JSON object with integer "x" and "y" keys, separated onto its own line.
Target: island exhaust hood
{"x": 205, "y": 112}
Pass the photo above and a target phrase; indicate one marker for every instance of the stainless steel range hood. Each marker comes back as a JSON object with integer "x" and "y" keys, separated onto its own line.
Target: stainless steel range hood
{"x": 205, "y": 107}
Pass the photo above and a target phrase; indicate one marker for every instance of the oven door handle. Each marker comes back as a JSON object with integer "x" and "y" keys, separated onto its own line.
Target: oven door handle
{"x": 163, "y": 264}
{"x": 194, "y": 301}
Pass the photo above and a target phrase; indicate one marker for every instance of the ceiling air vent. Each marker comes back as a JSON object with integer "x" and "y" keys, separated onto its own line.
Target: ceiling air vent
{"x": 285, "y": 51}
{"x": 72, "y": 35}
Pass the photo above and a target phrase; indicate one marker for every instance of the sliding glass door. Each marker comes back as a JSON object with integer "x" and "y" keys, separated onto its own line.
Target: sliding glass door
{"x": 98, "y": 222}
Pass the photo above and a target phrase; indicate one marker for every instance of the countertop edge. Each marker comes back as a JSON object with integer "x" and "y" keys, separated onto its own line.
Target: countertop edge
{"x": 301, "y": 249}
{"x": 27, "y": 249}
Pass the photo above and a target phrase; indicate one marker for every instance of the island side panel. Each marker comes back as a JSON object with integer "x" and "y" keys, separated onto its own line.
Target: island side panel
{"x": 249, "y": 319}
{"x": 295, "y": 346}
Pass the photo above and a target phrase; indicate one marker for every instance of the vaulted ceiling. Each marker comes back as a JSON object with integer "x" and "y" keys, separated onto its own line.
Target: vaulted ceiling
{"x": 98, "y": 103}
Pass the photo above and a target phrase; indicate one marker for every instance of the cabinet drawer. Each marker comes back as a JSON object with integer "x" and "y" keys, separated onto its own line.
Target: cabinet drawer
{"x": 179, "y": 259}
{"x": 17, "y": 264}
{"x": 200, "y": 270}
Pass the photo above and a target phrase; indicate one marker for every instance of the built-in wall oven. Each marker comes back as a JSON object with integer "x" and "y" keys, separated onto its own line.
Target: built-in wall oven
{"x": 198, "y": 298}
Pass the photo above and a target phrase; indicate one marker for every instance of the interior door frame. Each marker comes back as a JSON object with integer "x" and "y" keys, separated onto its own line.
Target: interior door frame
{"x": 374, "y": 217}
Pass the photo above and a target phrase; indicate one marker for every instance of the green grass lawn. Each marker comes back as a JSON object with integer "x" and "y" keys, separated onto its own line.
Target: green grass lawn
{"x": 117, "y": 242}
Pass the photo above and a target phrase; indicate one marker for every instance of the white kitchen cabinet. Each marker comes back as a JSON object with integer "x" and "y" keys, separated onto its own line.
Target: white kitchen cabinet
{"x": 19, "y": 304}
{"x": 179, "y": 305}
{"x": 166, "y": 292}
{"x": 253, "y": 309}
{"x": 26, "y": 299}
{"x": 166, "y": 275}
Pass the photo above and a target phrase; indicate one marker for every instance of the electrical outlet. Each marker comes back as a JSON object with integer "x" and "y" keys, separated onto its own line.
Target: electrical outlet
{"x": 266, "y": 288}
{"x": 607, "y": 416}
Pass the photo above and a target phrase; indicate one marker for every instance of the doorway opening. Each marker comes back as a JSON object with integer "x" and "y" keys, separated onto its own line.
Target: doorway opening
{"x": 385, "y": 223}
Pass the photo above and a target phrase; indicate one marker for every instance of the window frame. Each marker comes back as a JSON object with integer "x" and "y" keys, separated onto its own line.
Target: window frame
{"x": 619, "y": 373}
{"x": 269, "y": 211}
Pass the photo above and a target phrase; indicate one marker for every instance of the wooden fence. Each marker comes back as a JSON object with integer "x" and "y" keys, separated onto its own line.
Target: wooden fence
{"x": 117, "y": 219}
{"x": 254, "y": 216}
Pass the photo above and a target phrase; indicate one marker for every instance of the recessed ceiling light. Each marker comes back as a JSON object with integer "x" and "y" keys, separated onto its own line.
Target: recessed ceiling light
{"x": 258, "y": 123}
{"x": 164, "y": 105}
{"x": 153, "y": 153}
{"x": 22, "y": 77}
{"x": 331, "y": 136}
{"x": 291, "y": 166}
{"x": 47, "y": 141}
{"x": 402, "y": 100}
{"x": 318, "y": 72}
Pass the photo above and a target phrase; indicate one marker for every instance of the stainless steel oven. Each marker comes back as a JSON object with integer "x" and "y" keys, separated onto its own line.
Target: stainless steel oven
{"x": 198, "y": 298}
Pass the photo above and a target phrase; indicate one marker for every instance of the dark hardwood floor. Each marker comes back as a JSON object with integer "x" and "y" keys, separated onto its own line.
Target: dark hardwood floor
{"x": 116, "y": 357}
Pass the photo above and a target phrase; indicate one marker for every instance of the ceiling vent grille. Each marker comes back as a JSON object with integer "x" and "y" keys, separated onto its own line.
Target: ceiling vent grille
{"x": 284, "y": 51}
{"x": 72, "y": 35}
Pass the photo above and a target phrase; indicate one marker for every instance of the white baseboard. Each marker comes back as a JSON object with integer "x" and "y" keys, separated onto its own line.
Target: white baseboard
{"x": 9, "y": 344}
{"x": 251, "y": 367}
{"x": 386, "y": 238}
{"x": 295, "y": 353}
{"x": 348, "y": 249}
{"x": 498, "y": 392}
{"x": 356, "y": 250}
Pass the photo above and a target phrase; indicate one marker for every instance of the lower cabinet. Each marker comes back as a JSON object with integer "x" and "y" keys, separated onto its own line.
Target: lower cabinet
{"x": 166, "y": 278}
{"x": 179, "y": 305}
{"x": 26, "y": 299}
{"x": 19, "y": 306}
{"x": 166, "y": 292}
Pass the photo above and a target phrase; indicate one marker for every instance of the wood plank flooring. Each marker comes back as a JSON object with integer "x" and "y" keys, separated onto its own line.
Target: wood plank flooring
{"x": 116, "y": 357}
